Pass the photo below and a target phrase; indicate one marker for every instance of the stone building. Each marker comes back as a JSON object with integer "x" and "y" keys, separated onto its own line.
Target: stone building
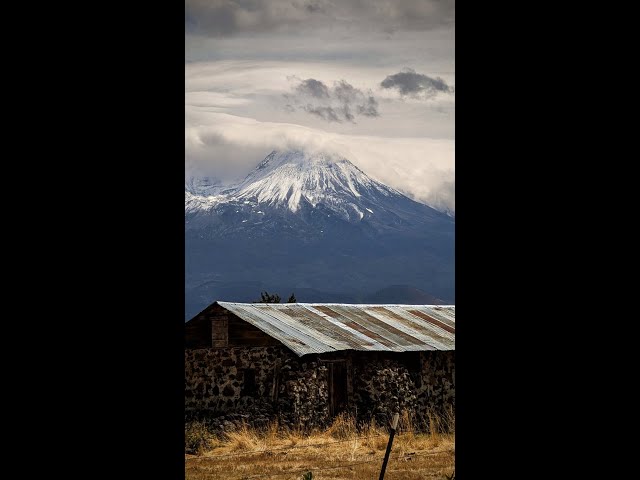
{"x": 305, "y": 363}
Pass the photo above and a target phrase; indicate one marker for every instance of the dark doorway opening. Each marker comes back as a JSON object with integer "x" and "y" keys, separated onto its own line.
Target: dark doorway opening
{"x": 337, "y": 387}
{"x": 249, "y": 386}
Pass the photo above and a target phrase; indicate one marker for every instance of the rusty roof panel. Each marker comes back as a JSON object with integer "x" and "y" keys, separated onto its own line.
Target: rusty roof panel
{"x": 296, "y": 341}
{"x": 442, "y": 317}
{"x": 318, "y": 340}
{"x": 439, "y": 338}
{"x": 348, "y": 317}
{"x": 363, "y": 341}
{"x": 398, "y": 339}
{"x": 436, "y": 330}
{"x": 326, "y": 327}
{"x": 450, "y": 312}
{"x": 321, "y": 324}
{"x": 430, "y": 319}
{"x": 415, "y": 330}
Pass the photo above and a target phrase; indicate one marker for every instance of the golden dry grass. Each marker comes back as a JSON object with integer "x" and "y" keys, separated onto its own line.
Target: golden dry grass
{"x": 340, "y": 452}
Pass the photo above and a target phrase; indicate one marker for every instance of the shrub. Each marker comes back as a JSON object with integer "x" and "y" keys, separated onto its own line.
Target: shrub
{"x": 196, "y": 437}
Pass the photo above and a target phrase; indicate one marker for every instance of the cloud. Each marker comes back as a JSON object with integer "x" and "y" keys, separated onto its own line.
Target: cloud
{"x": 341, "y": 103}
{"x": 442, "y": 196}
{"x": 229, "y": 17}
{"x": 345, "y": 92}
{"x": 234, "y": 117}
{"x": 410, "y": 83}
{"x": 369, "y": 108}
{"x": 255, "y": 89}
{"x": 326, "y": 113}
{"x": 313, "y": 88}
{"x": 228, "y": 147}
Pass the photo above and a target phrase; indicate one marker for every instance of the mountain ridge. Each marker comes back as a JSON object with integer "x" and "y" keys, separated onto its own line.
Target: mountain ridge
{"x": 313, "y": 220}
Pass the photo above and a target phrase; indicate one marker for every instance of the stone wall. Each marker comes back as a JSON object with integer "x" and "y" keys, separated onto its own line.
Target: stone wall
{"x": 303, "y": 398}
{"x": 388, "y": 383}
{"x": 261, "y": 383}
{"x": 438, "y": 389}
{"x": 217, "y": 380}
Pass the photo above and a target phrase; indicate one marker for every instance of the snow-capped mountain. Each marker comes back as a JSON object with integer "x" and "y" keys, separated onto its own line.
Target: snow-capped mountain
{"x": 311, "y": 220}
{"x": 294, "y": 178}
{"x": 202, "y": 185}
{"x": 296, "y": 182}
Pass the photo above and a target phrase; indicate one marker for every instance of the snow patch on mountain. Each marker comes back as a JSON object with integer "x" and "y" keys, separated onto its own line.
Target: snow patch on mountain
{"x": 202, "y": 186}
{"x": 289, "y": 179}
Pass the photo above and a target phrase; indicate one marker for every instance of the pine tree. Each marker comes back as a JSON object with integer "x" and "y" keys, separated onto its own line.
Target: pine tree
{"x": 266, "y": 298}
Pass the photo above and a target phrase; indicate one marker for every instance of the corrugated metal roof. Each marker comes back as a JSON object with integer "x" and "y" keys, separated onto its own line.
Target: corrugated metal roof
{"x": 328, "y": 327}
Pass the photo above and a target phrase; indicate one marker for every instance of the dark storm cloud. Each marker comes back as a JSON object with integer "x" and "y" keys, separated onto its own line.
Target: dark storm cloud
{"x": 226, "y": 17}
{"x": 345, "y": 92}
{"x": 313, "y": 88}
{"x": 369, "y": 108}
{"x": 408, "y": 82}
{"x": 326, "y": 113}
{"x": 338, "y": 104}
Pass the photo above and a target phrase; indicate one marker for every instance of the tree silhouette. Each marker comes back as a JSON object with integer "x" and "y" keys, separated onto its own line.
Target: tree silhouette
{"x": 266, "y": 298}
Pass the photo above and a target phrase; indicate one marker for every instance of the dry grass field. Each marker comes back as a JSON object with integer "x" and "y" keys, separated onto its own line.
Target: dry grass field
{"x": 341, "y": 451}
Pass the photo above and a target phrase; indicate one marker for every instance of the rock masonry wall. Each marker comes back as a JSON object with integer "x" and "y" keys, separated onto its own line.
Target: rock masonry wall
{"x": 252, "y": 384}
{"x": 386, "y": 384}
{"x": 257, "y": 384}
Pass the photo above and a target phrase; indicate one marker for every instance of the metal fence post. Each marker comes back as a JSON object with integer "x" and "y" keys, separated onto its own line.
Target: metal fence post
{"x": 394, "y": 424}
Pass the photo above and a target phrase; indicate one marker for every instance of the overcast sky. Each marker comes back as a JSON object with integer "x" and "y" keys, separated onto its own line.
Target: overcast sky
{"x": 373, "y": 80}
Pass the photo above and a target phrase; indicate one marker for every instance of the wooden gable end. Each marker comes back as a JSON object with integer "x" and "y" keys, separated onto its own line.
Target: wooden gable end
{"x": 216, "y": 327}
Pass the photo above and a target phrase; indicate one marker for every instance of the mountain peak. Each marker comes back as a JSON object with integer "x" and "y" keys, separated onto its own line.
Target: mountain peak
{"x": 301, "y": 158}
{"x": 311, "y": 184}
{"x": 311, "y": 220}
{"x": 201, "y": 185}
{"x": 290, "y": 178}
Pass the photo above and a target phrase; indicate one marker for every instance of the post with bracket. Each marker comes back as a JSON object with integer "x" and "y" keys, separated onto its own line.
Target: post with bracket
{"x": 394, "y": 424}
